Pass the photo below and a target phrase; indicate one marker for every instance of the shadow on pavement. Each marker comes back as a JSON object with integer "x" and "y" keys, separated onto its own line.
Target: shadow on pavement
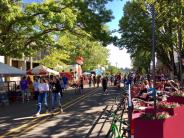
{"x": 80, "y": 121}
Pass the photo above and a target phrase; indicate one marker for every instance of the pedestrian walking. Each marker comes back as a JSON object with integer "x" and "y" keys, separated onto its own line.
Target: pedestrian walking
{"x": 24, "y": 89}
{"x": 65, "y": 80}
{"x": 36, "y": 89}
{"x": 98, "y": 80}
{"x": 56, "y": 88}
{"x": 104, "y": 84}
{"x": 111, "y": 79}
{"x": 43, "y": 87}
{"x": 81, "y": 84}
{"x": 94, "y": 80}
{"x": 62, "y": 86}
{"x": 89, "y": 81}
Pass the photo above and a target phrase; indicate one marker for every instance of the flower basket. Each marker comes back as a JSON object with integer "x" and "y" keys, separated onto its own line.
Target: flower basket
{"x": 162, "y": 128}
{"x": 171, "y": 108}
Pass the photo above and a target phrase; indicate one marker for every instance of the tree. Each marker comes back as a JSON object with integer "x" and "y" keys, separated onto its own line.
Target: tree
{"x": 70, "y": 46}
{"x": 135, "y": 28}
{"x": 112, "y": 70}
{"x": 55, "y": 58}
{"x": 26, "y": 28}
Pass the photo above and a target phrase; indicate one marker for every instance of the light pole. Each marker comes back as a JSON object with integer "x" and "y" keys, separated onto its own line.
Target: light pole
{"x": 152, "y": 9}
{"x": 180, "y": 55}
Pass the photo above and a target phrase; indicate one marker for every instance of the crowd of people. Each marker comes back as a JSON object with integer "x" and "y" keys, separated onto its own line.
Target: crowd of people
{"x": 53, "y": 87}
{"x": 143, "y": 86}
{"x": 43, "y": 87}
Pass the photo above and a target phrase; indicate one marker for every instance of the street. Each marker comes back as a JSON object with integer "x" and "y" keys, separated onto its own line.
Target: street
{"x": 83, "y": 116}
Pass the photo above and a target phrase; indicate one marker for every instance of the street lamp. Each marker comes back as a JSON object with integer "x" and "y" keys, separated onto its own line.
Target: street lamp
{"x": 180, "y": 55}
{"x": 152, "y": 9}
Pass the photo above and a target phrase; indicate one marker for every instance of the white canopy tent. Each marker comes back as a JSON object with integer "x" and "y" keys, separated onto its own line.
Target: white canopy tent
{"x": 42, "y": 70}
{"x": 6, "y": 70}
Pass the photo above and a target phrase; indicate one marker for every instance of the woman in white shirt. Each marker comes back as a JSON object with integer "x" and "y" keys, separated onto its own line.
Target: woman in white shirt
{"x": 43, "y": 88}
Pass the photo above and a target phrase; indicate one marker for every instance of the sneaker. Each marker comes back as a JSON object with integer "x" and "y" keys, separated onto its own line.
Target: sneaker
{"x": 61, "y": 110}
{"x": 37, "y": 114}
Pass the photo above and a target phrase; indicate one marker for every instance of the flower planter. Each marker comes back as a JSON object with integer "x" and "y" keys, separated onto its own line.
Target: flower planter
{"x": 179, "y": 100}
{"x": 168, "y": 128}
{"x": 172, "y": 111}
{"x": 134, "y": 116}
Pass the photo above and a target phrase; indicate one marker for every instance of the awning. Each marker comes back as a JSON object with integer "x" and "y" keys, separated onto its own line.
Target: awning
{"x": 6, "y": 70}
{"x": 42, "y": 70}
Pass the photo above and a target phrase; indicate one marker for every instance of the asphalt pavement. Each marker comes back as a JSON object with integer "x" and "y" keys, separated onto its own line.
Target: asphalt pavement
{"x": 82, "y": 117}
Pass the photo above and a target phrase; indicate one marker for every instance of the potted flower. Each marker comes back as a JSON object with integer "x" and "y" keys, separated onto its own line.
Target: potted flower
{"x": 167, "y": 105}
{"x": 170, "y": 107}
{"x": 160, "y": 126}
{"x": 177, "y": 96}
{"x": 151, "y": 116}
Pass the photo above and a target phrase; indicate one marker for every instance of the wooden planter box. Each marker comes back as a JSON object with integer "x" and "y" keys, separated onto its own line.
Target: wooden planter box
{"x": 172, "y": 111}
{"x": 168, "y": 128}
{"x": 179, "y": 100}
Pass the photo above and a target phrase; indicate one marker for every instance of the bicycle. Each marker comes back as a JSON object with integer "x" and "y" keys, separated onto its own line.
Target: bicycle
{"x": 121, "y": 101}
{"x": 114, "y": 132}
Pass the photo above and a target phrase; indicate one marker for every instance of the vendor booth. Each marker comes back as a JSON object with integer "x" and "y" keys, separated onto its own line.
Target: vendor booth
{"x": 8, "y": 88}
{"x": 42, "y": 70}
{"x": 72, "y": 71}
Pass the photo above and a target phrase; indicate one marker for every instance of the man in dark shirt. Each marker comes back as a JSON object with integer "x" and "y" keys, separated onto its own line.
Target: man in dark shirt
{"x": 104, "y": 84}
{"x": 56, "y": 88}
{"x": 24, "y": 89}
{"x": 65, "y": 81}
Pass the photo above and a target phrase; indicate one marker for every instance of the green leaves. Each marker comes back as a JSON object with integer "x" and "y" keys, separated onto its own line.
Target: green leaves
{"x": 29, "y": 27}
{"x": 136, "y": 31}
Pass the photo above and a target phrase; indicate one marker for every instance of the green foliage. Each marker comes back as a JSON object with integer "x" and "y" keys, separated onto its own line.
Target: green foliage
{"x": 112, "y": 70}
{"x": 151, "y": 116}
{"x": 136, "y": 28}
{"x": 94, "y": 56}
{"x": 55, "y": 58}
{"x": 28, "y": 28}
{"x": 70, "y": 46}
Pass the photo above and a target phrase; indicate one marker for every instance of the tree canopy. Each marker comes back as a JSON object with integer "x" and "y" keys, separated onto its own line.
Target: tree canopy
{"x": 29, "y": 27}
{"x": 71, "y": 46}
{"x": 135, "y": 29}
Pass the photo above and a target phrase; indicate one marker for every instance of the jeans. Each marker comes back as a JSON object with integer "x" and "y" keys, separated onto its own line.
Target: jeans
{"x": 42, "y": 97}
{"x": 65, "y": 86}
{"x": 36, "y": 93}
{"x": 56, "y": 100}
{"x": 25, "y": 95}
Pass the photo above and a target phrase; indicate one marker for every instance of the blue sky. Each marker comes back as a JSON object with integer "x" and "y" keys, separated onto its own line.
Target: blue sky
{"x": 117, "y": 7}
{"x": 117, "y": 57}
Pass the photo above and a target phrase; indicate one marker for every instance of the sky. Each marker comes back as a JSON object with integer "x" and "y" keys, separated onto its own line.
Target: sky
{"x": 119, "y": 58}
